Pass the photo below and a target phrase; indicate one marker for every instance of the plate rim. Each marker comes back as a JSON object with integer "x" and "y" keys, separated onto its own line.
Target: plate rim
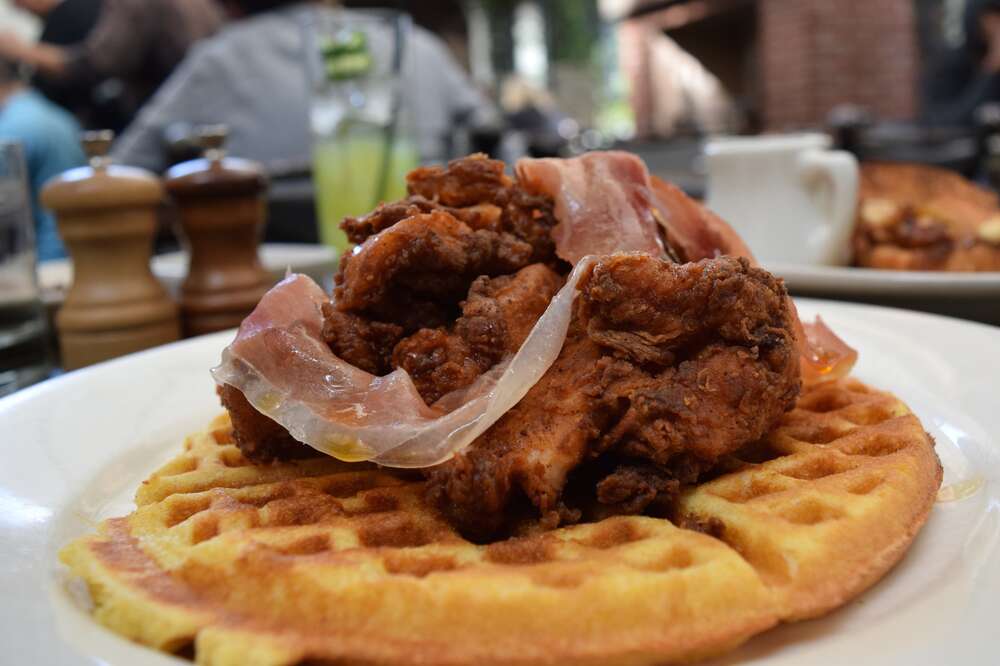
{"x": 850, "y": 280}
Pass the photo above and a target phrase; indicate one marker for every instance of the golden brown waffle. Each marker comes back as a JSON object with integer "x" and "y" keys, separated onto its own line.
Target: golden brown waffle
{"x": 324, "y": 561}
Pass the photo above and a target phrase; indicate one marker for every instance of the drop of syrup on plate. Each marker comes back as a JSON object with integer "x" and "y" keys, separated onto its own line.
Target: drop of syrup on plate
{"x": 953, "y": 492}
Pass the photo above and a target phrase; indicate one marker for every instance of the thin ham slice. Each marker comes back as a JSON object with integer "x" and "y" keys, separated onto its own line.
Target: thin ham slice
{"x": 607, "y": 201}
{"x": 692, "y": 230}
{"x": 603, "y": 203}
{"x": 281, "y": 363}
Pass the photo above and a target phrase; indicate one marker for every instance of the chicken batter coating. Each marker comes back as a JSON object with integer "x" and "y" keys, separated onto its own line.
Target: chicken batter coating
{"x": 359, "y": 229}
{"x": 416, "y": 272}
{"x": 496, "y": 318}
{"x": 478, "y": 182}
{"x": 666, "y": 369}
{"x": 361, "y": 342}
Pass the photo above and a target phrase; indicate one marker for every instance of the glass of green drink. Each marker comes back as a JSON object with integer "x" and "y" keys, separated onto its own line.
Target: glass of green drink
{"x": 363, "y": 145}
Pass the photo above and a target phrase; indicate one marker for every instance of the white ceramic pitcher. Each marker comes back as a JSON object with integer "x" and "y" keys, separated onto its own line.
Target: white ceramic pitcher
{"x": 790, "y": 197}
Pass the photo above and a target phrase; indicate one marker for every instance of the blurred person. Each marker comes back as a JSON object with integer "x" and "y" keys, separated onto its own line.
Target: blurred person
{"x": 65, "y": 23}
{"x": 251, "y": 76}
{"x": 962, "y": 79}
{"x": 138, "y": 42}
{"x": 50, "y": 139}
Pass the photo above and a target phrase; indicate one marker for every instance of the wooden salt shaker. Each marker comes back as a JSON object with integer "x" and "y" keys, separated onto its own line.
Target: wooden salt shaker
{"x": 107, "y": 217}
{"x": 222, "y": 212}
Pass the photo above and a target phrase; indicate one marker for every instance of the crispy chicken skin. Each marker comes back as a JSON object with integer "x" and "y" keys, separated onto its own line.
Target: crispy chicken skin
{"x": 666, "y": 369}
{"x": 496, "y": 318}
{"x": 464, "y": 182}
{"x": 476, "y": 191}
{"x": 359, "y": 229}
{"x": 415, "y": 273}
{"x": 531, "y": 449}
{"x": 361, "y": 342}
{"x": 477, "y": 181}
{"x": 399, "y": 296}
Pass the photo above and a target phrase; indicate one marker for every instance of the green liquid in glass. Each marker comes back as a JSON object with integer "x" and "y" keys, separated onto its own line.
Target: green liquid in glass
{"x": 347, "y": 169}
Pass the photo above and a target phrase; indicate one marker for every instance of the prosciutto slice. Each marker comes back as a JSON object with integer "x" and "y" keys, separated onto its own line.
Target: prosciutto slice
{"x": 608, "y": 201}
{"x": 603, "y": 203}
{"x": 692, "y": 230}
{"x": 281, "y": 363}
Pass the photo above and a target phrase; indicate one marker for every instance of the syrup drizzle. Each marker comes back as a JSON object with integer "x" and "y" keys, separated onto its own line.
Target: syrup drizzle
{"x": 960, "y": 490}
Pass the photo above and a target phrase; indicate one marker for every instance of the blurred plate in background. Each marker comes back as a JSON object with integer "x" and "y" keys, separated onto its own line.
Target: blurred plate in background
{"x": 974, "y": 296}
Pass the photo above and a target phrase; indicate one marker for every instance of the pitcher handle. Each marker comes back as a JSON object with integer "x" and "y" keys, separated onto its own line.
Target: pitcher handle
{"x": 838, "y": 170}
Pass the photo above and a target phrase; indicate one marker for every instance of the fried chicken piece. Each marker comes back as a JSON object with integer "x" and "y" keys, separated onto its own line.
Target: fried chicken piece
{"x": 464, "y": 182}
{"x": 476, "y": 181}
{"x": 359, "y": 229}
{"x": 633, "y": 487}
{"x": 531, "y": 217}
{"x": 259, "y": 438}
{"x": 440, "y": 362}
{"x": 649, "y": 311}
{"x": 529, "y": 451}
{"x": 363, "y": 343}
{"x": 670, "y": 365}
{"x": 722, "y": 394}
{"x": 515, "y": 300}
{"x": 416, "y": 272}
{"x": 734, "y": 383}
{"x": 496, "y": 318}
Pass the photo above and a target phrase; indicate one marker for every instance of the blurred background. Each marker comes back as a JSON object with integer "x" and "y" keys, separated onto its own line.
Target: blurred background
{"x": 523, "y": 77}
{"x": 329, "y": 104}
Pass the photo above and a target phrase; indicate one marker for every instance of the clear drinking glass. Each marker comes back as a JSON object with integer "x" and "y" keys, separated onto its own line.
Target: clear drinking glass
{"x": 363, "y": 143}
{"x": 24, "y": 357}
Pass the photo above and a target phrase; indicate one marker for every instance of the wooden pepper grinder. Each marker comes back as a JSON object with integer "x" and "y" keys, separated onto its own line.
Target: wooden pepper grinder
{"x": 221, "y": 206}
{"x": 107, "y": 217}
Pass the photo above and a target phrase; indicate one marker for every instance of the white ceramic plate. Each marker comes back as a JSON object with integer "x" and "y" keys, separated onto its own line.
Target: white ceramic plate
{"x": 316, "y": 261}
{"x": 74, "y": 449}
{"x": 849, "y": 281}
{"x": 974, "y": 296}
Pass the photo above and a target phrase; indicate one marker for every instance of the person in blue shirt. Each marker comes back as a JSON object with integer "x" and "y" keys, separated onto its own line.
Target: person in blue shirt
{"x": 50, "y": 138}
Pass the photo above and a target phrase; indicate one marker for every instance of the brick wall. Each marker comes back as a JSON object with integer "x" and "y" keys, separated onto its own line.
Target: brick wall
{"x": 816, "y": 54}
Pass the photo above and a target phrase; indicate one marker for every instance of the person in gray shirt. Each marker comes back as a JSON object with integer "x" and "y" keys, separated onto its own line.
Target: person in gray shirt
{"x": 252, "y": 77}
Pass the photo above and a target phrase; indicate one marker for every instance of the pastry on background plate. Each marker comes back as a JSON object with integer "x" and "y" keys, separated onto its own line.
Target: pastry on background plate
{"x": 917, "y": 217}
{"x": 557, "y": 418}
